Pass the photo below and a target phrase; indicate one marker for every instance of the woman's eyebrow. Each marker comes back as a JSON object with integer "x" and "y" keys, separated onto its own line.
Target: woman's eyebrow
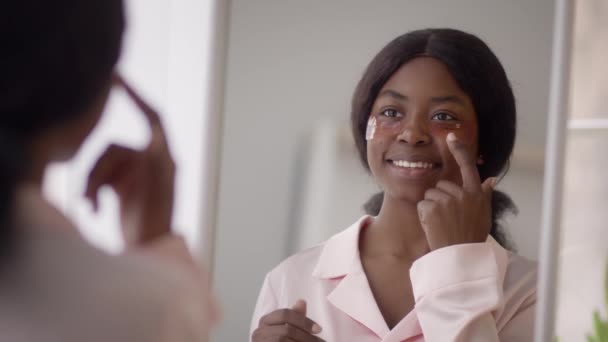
{"x": 434, "y": 100}
{"x": 394, "y": 94}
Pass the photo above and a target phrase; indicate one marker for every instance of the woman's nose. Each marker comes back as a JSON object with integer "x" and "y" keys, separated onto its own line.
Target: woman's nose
{"x": 414, "y": 133}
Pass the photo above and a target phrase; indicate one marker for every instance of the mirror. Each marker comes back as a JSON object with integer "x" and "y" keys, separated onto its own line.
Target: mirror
{"x": 290, "y": 177}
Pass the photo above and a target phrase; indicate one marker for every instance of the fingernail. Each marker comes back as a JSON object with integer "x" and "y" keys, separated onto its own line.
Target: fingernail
{"x": 316, "y": 328}
{"x": 493, "y": 182}
{"x": 451, "y": 136}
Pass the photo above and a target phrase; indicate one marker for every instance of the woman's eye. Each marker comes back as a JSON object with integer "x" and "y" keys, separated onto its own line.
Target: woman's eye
{"x": 443, "y": 116}
{"x": 391, "y": 113}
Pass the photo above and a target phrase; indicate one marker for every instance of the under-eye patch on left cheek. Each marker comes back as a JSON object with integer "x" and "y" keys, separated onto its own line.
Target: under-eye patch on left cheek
{"x": 465, "y": 131}
{"x": 371, "y": 128}
{"x": 448, "y": 126}
{"x": 443, "y": 128}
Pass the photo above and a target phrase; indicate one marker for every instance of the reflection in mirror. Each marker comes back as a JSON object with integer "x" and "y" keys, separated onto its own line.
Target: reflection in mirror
{"x": 291, "y": 177}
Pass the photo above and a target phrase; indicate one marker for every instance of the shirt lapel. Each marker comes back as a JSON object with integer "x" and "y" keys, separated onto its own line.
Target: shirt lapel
{"x": 407, "y": 328}
{"x": 353, "y": 296}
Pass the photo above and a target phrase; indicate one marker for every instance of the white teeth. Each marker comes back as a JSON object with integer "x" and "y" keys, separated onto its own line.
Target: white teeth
{"x": 418, "y": 165}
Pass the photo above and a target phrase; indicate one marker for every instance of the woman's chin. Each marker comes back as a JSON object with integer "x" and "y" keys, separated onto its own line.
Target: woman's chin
{"x": 411, "y": 195}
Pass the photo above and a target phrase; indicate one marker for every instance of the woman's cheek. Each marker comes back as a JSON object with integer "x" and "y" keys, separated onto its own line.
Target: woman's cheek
{"x": 374, "y": 149}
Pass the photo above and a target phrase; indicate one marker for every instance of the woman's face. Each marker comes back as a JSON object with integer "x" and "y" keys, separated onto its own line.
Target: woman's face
{"x": 411, "y": 117}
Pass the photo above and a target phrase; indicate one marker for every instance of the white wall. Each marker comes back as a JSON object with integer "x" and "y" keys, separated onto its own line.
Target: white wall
{"x": 165, "y": 59}
{"x": 292, "y": 63}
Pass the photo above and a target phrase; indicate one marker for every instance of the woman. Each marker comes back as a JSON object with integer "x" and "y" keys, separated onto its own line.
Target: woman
{"x": 57, "y": 70}
{"x": 433, "y": 118}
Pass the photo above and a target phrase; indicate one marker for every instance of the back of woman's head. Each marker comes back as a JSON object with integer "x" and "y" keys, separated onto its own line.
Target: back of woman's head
{"x": 57, "y": 56}
{"x": 480, "y": 75}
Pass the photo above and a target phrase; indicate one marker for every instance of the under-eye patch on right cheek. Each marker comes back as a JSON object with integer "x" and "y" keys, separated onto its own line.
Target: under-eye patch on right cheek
{"x": 371, "y": 128}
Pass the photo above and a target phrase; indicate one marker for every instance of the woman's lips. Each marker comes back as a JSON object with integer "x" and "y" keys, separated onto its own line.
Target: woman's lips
{"x": 413, "y": 169}
{"x": 412, "y": 164}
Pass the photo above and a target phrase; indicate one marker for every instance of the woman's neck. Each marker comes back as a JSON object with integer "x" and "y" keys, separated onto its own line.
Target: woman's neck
{"x": 396, "y": 232}
{"x": 34, "y": 211}
{"x": 38, "y": 152}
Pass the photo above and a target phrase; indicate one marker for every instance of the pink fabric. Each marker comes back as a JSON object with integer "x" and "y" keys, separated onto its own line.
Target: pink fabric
{"x": 152, "y": 292}
{"x": 470, "y": 292}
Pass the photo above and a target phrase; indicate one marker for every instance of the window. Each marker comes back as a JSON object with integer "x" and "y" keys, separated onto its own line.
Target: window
{"x": 584, "y": 245}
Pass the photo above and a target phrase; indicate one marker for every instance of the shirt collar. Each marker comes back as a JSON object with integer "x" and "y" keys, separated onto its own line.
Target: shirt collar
{"x": 340, "y": 253}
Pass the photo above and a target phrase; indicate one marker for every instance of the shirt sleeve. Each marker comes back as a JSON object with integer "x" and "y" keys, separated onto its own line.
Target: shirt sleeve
{"x": 267, "y": 303}
{"x": 191, "y": 308}
{"x": 457, "y": 289}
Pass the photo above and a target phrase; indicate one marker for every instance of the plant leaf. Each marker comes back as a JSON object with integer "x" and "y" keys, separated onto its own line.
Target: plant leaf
{"x": 606, "y": 287}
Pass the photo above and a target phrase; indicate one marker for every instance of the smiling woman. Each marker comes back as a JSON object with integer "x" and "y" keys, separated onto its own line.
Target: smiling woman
{"x": 421, "y": 121}
{"x": 483, "y": 98}
{"x": 433, "y": 119}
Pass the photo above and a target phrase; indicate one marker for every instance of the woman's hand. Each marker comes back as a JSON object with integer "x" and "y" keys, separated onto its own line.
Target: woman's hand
{"x": 142, "y": 179}
{"x": 451, "y": 214}
{"x": 287, "y": 325}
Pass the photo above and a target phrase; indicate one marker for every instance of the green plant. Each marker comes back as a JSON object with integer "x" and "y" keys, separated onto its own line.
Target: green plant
{"x": 600, "y": 326}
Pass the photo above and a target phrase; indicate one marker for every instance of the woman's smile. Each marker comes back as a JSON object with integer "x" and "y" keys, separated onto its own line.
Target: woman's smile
{"x": 413, "y": 167}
